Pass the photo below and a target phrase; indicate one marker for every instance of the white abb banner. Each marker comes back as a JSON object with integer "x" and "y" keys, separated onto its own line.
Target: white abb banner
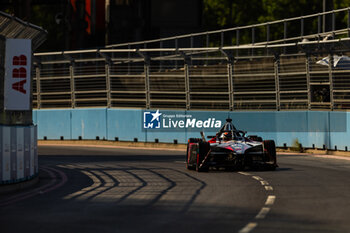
{"x": 17, "y": 74}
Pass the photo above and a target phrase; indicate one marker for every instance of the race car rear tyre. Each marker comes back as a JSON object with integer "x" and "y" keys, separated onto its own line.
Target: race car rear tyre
{"x": 203, "y": 148}
{"x": 271, "y": 150}
{"x": 188, "y": 165}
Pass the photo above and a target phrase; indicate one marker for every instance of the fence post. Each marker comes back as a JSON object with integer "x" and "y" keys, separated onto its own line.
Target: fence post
{"x": 108, "y": 83}
{"x": 230, "y": 84}
{"x": 267, "y": 37}
{"x": 285, "y": 30}
{"x": 187, "y": 85}
{"x": 147, "y": 87}
{"x": 230, "y": 60}
{"x": 277, "y": 85}
{"x": 192, "y": 45}
{"x": 253, "y": 39}
{"x": 160, "y": 55}
{"x": 221, "y": 39}
{"x": 319, "y": 25}
{"x": 348, "y": 22}
{"x": 307, "y": 66}
{"x": 72, "y": 83}
{"x": 237, "y": 41}
{"x": 333, "y": 24}
{"x": 187, "y": 64}
{"x": 330, "y": 72}
{"x": 129, "y": 54}
{"x": 302, "y": 27}
{"x": 176, "y": 47}
{"x": 206, "y": 45}
{"x": 38, "y": 89}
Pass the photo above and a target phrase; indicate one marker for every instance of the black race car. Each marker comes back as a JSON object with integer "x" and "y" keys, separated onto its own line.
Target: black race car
{"x": 230, "y": 149}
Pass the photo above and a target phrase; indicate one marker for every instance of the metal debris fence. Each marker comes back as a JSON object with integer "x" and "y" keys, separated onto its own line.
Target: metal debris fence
{"x": 103, "y": 78}
{"x": 12, "y": 27}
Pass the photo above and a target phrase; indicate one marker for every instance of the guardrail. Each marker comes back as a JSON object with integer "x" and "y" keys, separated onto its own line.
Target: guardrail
{"x": 18, "y": 135}
{"x": 209, "y": 70}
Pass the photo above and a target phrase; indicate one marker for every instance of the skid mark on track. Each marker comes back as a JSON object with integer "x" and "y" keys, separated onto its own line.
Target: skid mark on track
{"x": 58, "y": 178}
{"x": 96, "y": 184}
{"x": 270, "y": 200}
{"x": 146, "y": 186}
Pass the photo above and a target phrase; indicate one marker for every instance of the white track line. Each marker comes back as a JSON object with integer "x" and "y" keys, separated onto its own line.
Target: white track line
{"x": 263, "y": 212}
{"x": 257, "y": 178}
{"x": 245, "y": 173}
{"x": 248, "y": 228}
{"x": 270, "y": 200}
{"x": 263, "y": 182}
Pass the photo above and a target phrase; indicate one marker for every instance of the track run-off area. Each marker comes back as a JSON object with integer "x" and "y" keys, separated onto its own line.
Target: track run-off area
{"x": 110, "y": 189}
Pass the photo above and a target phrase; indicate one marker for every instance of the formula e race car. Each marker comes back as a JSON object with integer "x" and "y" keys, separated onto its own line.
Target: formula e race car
{"x": 232, "y": 150}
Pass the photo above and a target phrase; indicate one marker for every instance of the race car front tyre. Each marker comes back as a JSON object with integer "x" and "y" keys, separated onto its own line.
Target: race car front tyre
{"x": 271, "y": 151}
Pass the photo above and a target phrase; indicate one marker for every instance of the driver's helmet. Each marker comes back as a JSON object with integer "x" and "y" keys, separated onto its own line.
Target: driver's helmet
{"x": 226, "y": 136}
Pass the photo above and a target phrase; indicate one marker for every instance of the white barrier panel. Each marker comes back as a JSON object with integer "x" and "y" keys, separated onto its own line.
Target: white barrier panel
{"x": 19, "y": 158}
{"x": 6, "y": 153}
{"x": 20, "y": 152}
{"x": 35, "y": 154}
{"x": 26, "y": 152}
{"x": 13, "y": 152}
{"x": 1, "y": 156}
{"x": 32, "y": 154}
{"x": 36, "y": 163}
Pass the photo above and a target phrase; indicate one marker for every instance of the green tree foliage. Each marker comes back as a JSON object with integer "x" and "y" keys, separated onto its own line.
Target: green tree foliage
{"x": 226, "y": 13}
{"x": 44, "y": 16}
{"x": 233, "y": 13}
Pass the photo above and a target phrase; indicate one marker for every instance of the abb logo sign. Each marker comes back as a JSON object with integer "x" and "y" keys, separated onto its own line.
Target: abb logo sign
{"x": 18, "y": 64}
{"x": 19, "y": 73}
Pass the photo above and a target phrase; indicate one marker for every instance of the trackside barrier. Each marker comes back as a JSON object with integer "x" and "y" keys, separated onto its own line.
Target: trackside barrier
{"x": 18, "y": 153}
{"x": 18, "y": 135}
{"x": 318, "y": 128}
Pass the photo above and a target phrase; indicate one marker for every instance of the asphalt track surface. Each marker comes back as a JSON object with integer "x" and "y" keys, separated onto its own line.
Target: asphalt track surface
{"x": 90, "y": 189}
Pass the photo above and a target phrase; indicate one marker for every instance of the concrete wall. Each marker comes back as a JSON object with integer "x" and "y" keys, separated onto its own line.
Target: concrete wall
{"x": 18, "y": 153}
{"x": 309, "y": 127}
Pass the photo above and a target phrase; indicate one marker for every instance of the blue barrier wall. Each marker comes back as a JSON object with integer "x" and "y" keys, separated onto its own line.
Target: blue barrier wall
{"x": 53, "y": 123}
{"x": 316, "y": 128}
{"x": 88, "y": 123}
{"x": 126, "y": 124}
